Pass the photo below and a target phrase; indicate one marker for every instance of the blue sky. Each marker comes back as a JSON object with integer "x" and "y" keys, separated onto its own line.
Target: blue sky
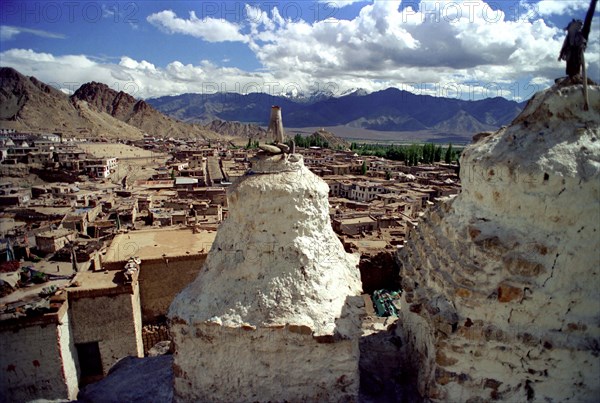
{"x": 467, "y": 49}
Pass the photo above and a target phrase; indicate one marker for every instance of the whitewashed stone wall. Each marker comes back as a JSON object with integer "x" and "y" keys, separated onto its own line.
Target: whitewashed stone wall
{"x": 501, "y": 285}
{"x": 112, "y": 320}
{"x": 274, "y": 313}
{"x": 68, "y": 354}
{"x": 37, "y": 360}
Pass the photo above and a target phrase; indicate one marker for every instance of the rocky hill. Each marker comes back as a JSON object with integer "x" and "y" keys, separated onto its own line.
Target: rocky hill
{"x": 95, "y": 110}
{"x": 500, "y": 285}
{"x": 324, "y": 136}
{"x": 237, "y": 129}
{"x": 122, "y": 106}
{"x": 387, "y": 110}
{"x": 27, "y": 104}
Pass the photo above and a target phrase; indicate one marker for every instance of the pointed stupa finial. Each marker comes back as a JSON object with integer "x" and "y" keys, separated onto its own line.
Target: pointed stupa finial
{"x": 276, "y": 125}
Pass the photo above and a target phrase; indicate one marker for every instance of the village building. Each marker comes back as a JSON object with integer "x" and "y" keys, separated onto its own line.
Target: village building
{"x": 51, "y": 241}
{"x": 14, "y": 197}
{"x": 354, "y": 226}
{"x": 170, "y": 259}
{"x": 56, "y": 338}
{"x": 101, "y": 168}
{"x": 38, "y": 359}
{"x": 106, "y": 321}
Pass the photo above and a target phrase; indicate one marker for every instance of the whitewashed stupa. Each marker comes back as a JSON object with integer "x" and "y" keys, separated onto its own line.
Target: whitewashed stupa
{"x": 274, "y": 313}
{"x": 501, "y": 285}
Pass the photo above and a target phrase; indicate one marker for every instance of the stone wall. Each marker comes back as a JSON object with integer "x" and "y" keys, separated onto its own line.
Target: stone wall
{"x": 162, "y": 279}
{"x": 287, "y": 364}
{"x": 112, "y": 320}
{"x": 37, "y": 360}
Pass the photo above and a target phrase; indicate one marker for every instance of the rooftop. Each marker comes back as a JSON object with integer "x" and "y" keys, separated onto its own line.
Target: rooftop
{"x": 156, "y": 243}
{"x": 186, "y": 181}
{"x": 94, "y": 280}
{"x": 57, "y": 233}
{"x": 357, "y": 220}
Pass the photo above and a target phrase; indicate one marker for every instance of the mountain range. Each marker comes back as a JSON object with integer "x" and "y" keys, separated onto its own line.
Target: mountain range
{"x": 390, "y": 110}
{"x": 97, "y": 110}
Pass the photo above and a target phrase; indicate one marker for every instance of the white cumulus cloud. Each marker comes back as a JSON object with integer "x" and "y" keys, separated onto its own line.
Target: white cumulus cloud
{"x": 434, "y": 49}
{"x": 139, "y": 78}
{"x": 209, "y": 29}
{"x": 383, "y": 46}
{"x": 561, "y": 7}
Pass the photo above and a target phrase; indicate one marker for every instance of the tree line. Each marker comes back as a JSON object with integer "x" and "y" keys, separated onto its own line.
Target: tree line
{"x": 412, "y": 155}
{"x": 299, "y": 140}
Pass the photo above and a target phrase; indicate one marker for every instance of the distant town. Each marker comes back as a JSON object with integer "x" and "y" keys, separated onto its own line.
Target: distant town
{"x": 83, "y": 221}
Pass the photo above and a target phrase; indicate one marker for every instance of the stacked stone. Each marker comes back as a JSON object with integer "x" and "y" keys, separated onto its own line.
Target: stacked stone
{"x": 500, "y": 285}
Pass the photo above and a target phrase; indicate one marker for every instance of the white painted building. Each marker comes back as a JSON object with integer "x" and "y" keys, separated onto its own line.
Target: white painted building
{"x": 366, "y": 191}
{"x": 102, "y": 168}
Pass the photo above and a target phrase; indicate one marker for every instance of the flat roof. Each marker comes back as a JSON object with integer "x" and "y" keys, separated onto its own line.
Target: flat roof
{"x": 358, "y": 220}
{"x": 182, "y": 180}
{"x": 154, "y": 243}
{"x": 370, "y": 243}
{"x": 57, "y": 233}
{"x": 94, "y": 280}
{"x": 60, "y": 210}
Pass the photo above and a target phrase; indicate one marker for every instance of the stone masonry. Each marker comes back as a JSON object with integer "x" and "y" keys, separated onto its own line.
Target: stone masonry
{"x": 501, "y": 285}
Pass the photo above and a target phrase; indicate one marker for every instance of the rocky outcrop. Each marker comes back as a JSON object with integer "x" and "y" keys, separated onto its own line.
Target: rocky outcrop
{"x": 501, "y": 284}
{"x": 323, "y": 136}
{"x": 27, "y": 104}
{"x": 237, "y": 129}
{"x": 274, "y": 312}
{"x": 32, "y": 104}
{"x": 100, "y": 96}
{"x": 124, "y": 107}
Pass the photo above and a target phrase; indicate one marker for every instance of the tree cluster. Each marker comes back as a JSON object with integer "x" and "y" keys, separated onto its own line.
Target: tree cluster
{"x": 412, "y": 155}
{"x": 310, "y": 141}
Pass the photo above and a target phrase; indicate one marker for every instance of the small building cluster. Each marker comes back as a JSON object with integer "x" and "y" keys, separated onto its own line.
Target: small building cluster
{"x": 50, "y": 152}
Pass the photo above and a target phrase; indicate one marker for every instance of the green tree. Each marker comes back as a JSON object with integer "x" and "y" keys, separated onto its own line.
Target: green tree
{"x": 413, "y": 155}
{"x": 438, "y": 154}
{"x": 388, "y": 175}
{"x": 428, "y": 152}
{"x": 363, "y": 169}
{"x": 395, "y": 153}
{"x": 449, "y": 157}
{"x": 299, "y": 140}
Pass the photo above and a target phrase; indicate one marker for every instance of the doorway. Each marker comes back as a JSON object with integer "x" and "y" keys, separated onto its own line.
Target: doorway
{"x": 90, "y": 362}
